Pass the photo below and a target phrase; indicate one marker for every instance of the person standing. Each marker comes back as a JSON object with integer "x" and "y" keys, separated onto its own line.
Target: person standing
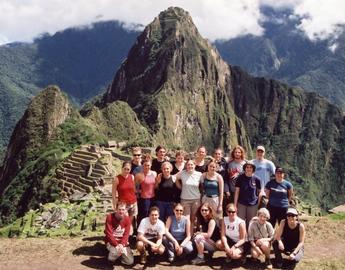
{"x": 123, "y": 191}
{"x": 248, "y": 193}
{"x": 136, "y": 161}
{"x": 264, "y": 167}
{"x": 179, "y": 163}
{"x": 279, "y": 193}
{"x": 117, "y": 227}
{"x": 147, "y": 181}
{"x": 235, "y": 167}
{"x": 213, "y": 188}
{"x": 160, "y": 159}
{"x": 289, "y": 238}
{"x": 189, "y": 181}
{"x": 166, "y": 191}
{"x": 200, "y": 159}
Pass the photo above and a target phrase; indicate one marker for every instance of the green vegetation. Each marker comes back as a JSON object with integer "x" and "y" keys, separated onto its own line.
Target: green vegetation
{"x": 337, "y": 216}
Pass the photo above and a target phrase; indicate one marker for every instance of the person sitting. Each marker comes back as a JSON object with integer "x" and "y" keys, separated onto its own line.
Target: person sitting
{"x": 207, "y": 234}
{"x": 289, "y": 238}
{"x": 177, "y": 234}
{"x": 260, "y": 236}
{"x": 233, "y": 234}
{"x": 117, "y": 227}
{"x": 150, "y": 234}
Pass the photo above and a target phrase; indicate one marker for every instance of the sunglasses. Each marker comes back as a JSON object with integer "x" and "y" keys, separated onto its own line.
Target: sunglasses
{"x": 137, "y": 155}
{"x": 178, "y": 210}
{"x": 231, "y": 212}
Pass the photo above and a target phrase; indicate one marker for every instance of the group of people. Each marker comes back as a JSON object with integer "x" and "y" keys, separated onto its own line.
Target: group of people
{"x": 190, "y": 206}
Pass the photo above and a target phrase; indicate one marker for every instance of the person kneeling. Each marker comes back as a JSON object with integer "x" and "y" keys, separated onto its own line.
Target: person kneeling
{"x": 117, "y": 227}
{"x": 233, "y": 235}
{"x": 150, "y": 234}
{"x": 289, "y": 238}
{"x": 260, "y": 235}
{"x": 177, "y": 234}
{"x": 208, "y": 233}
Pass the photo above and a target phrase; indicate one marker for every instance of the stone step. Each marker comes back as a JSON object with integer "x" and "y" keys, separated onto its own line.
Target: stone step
{"x": 85, "y": 156}
{"x": 68, "y": 184}
{"x": 73, "y": 170}
{"x": 95, "y": 174}
{"x": 84, "y": 162}
{"x": 87, "y": 153}
{"x": 77, "y": 164}
{"x": 86, "y": 188}
{"x": 87, "y": 182}
{"x": 92, "y": 178}
{"x": 72, "y": 175}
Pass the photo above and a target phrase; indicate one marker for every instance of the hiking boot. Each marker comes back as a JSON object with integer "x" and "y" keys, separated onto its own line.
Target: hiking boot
{"x": 198, "y": 260}
{"x": 143, "y": 257}
{"x": 268, "y": 264}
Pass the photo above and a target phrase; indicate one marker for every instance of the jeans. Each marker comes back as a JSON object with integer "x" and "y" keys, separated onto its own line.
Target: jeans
{"x": 165, "y": 209}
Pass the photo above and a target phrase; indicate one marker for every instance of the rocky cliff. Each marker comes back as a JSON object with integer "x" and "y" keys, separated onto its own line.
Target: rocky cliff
{"x": 176, "y": 82}
{"x": 47, "y": 110}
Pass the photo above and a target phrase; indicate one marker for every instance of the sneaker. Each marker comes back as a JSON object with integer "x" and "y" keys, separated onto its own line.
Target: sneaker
{"x": 171, "y": 259}
{"x": 262, "y": 258}
{"x": 198, "y": 260}
{"x": 268, "y": 264}
{"x": 227, "y": 259}
{"x": 143, "y": 257}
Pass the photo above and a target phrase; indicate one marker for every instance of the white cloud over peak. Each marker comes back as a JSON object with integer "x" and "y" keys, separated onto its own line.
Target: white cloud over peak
{"x": 22, "y": 20}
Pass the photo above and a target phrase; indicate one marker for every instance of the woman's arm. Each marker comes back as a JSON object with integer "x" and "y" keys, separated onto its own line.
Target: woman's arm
{"x": 167, "y": 232}
{"x": 210, "y": 229}
{"x": 301, "y": 239}
{"x": 243, "y": 233}
{"x": 237, "y": 192}
{"x": 114, "y": 192}
{"x": 221, "y": 192}
{"x": 188, "y": 236}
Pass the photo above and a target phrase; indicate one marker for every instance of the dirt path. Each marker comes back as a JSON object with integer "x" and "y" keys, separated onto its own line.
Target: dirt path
{"x": 324, "y": 249}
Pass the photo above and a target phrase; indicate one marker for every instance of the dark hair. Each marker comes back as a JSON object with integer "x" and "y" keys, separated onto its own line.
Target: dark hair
{"x": 126, "y": 163}
{"x": 159, "y": 147}
{"x": 153, "y": 208}
{"x": 200, "y": 218}
{"x": 177, "y": 204}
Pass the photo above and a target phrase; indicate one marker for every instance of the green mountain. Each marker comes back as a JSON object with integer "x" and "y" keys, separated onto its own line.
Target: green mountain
{"x": 81, "y": 61}
{"x": 175, "y": 89}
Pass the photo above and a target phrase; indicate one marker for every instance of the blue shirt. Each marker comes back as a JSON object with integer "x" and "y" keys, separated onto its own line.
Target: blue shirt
{"x": 249, "y": 189}
{"x": 279, "y": 193}
{"x": 264, "y": 169}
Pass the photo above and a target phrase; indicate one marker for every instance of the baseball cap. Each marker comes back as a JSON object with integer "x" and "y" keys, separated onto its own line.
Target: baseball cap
{"x": 292, "y": 211}
{"x": 260, "y": 147}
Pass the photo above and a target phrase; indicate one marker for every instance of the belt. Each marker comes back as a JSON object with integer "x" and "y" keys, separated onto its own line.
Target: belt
{"x": 212, "y": 196}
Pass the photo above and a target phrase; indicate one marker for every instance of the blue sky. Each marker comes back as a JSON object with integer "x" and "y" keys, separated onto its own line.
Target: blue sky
{"x": 22, "y": 20}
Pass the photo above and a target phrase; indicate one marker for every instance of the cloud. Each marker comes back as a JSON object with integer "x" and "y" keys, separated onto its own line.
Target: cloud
{"x": 216, "y": 19}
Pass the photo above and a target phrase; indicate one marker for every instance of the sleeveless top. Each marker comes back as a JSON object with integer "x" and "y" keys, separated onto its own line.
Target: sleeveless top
{"x": 166, "y": 190}
{"x": 178, "y": 228}
{"x": 148, "y": 186}
{"x": 211, "y": 187}
{"x": 204, "y": 228}
{"x": 290, "y": 237}
{"x": 232, "y": 229}
{"x": 126, "y": 189}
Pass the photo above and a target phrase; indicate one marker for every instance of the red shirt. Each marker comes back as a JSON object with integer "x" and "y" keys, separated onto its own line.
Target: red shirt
{"x": 126, "y": 189}
{"x": 117, "y": 232}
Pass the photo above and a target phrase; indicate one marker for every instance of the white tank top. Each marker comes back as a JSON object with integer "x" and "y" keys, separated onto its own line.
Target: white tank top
{"x": 232, "y": 229}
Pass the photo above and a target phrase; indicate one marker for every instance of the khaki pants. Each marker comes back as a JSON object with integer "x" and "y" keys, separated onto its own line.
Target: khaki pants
{"x": 126, "y": 258}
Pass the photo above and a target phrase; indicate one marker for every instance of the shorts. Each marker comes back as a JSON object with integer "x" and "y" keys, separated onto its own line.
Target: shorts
{"x": 232, "y": 242}
{"x": 132, "y": 209}
{"x": 190, "y": 206}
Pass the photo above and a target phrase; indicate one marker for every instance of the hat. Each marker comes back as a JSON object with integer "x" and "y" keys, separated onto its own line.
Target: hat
{"x": 292, "y": 211}
{"x": 231, "y": 207}
{"x": 249, "y": 163}
{"x": 260, "y": 147}
{"x": 280, "y": 169}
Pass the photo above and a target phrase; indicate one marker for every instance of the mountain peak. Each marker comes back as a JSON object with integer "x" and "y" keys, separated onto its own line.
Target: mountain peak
{"x": 171, "y": 76}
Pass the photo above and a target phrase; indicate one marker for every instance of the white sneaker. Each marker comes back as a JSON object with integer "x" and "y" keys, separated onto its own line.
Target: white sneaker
{"x": 112, "y": 257}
